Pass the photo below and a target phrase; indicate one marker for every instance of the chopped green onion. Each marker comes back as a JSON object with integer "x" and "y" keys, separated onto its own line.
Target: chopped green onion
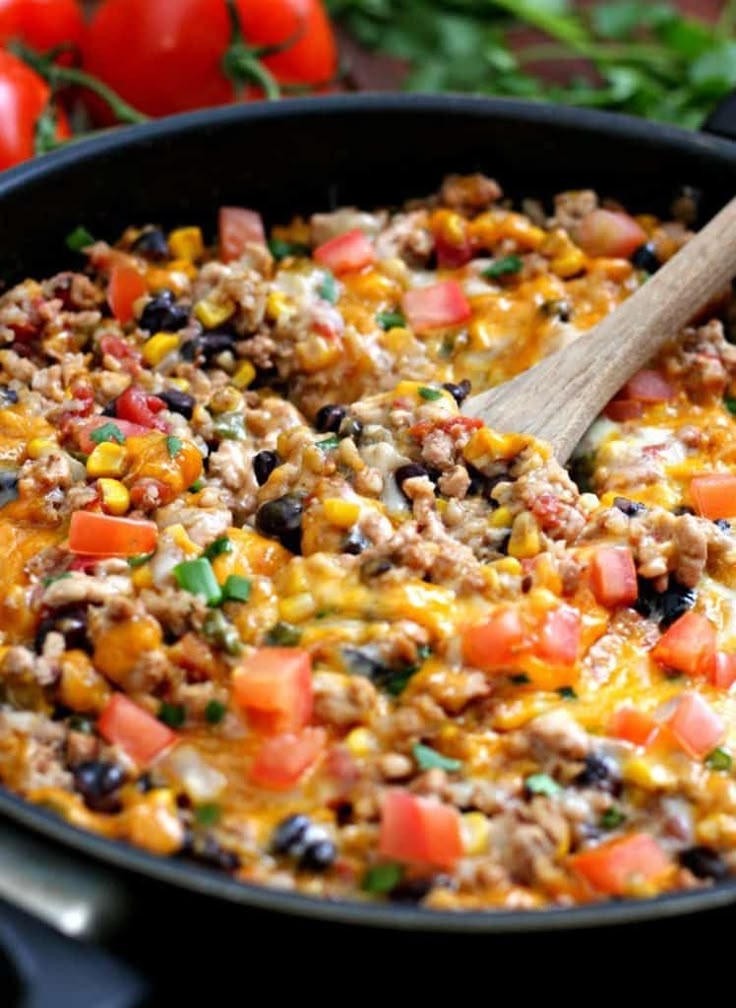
{"x": 208, "y": 815}
{"x": 138, "y": 561}
{"x": 221, "y": 545}
{"x": 719, "y": 759}
{"x": 78, "y": 239}
{"x": 730, "y": 404}
{"x": 522, "y": 679}
{"x": 107, "y": 432}
{"x": 219, "y": 632}
{"x": 230, "y": 426}
{"x": 503, "y": 267}
{"x": 283, "y": 633}
{"x": 427, "y": 759}
{"x": 390, "y": 320}
{"x": 429, "y": 393}
{"x": 329, "y": 443}
{"x": 214, "y": 712}
{"x": 173, "y": 445}
{"x": 173, "y": 715}
{"x": 196, "y": 486}
{"x": 611, "y": 818}
{"x": 236, "y": 589}
{"x": 542, "y": 784}
{"x": 567, "y": 693}
{"x": 327, "y": 290}
{"x": 280, "y": 249}
{"x": 382, "y": 878}
{"x": 197, "y": 577}
{"x": 55, "y": 577}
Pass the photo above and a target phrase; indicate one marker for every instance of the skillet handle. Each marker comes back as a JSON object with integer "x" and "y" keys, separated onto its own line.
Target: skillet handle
{"x": 722, "y": 120}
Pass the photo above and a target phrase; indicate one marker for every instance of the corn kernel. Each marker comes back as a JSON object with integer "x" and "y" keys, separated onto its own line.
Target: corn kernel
{"x": 475, "y": 831}
{"x": 361, "y": 742}
{"x": 40, "y": 446}
{"x": 297, "y": 607}
{"x": 343, "y": 513}
{"x": 524, "y": 541}
{"x": 508, "y": 565}
{"x": 115, "y": 496}
{"x": 107, "y": 459}
{"x": 213, "y": 313}
{"x": 181, "y": 383}
{"x": 181, "y": 539}
{"x": 157, "y": 347}
{"x": 244, "y": 375}
{"x": 647, "y": 774}
{"x": 568, "y": 264}
{"x": 317, "y": 353}
{"x": 183, "y": 270}
{"x": 520, "y": 229}
{"x": 295, "y": 578}
{"x": 490, "y": 444}
{"x": 501, "y": 518}
{"x": 276, "y": 305}
{"x": 186, "y": 243}
{"x": 142, "y": 577}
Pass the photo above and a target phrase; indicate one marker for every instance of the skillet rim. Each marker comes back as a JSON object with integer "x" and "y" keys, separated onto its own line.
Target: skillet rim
{"x": 207, "y": 881}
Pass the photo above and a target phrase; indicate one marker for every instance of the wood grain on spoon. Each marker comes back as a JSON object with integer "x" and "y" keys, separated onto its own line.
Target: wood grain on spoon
{"x": 559, "y": 398}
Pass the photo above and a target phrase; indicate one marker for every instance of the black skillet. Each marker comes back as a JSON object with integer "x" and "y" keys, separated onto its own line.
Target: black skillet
{"x": 284, "y": 158}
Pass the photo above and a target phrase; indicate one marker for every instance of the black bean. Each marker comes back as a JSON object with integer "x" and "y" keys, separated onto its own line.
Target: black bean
{"x": 628, "y": 507}
{"x": 601, "y": 772}
{"x": 412, "y": 890}
{"x": 8, "y": 486}
{"x": 350, "y": 427}
{"x": 162, "y": 314}
{"x": 282, "y": 519}
{"x": 98, "y": 781}
{"x": 144, "y": 784}
{"x": 412, "y": 470}
{"x": 645, "y": 258}
{"x": 71, "y": 623}
{"x": 558, "y": 309}
{"x": 374, "y": 568}
{"x": 288, "y": 837}
{"x": 458, "y": 392}
{"x": 178, "y": 401}
{"x": 318, "y": 856}
{"x": 329, "y": 418}
{"x": 723, "y": 523}
{"x": 207, "y": 346}
{"x": 264, "y": 463}
{"x": 204, "y": 848}
{"x": 344, "y": 813}
{"x": 299, "y": 838}
{"x": 667, "y": 606}
{"x": 683, "y": 509}
{"x": 8, "y": 396}
{"x": 355, "y": 542}
{"x": 151, "y": 244}
{"x": 704, "y": 863}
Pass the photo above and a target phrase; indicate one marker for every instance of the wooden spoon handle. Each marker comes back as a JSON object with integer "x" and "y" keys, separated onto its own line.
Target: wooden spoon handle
{"x": 558, "y": 398}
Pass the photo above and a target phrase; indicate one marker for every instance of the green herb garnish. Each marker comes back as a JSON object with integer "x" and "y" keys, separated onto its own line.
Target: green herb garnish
{"x": 283, "y": 634}
{"x": 280, "y": 249}
{"x": 430, "y": 394}
{"x": 173, "y": 445}
{"x": 503, "y": 267}
{"x": 542, "y": 784}
{"x": 78, "y": 239}
{"x": 236, "y": 589}
{"x": 719, "y": 759}
{"x": 55, "y": 577}
{"x": 390, "y": 320}
{"x": 107, "y": 432}
{"x": 611, "y": 818}
{"x": 138, "y": 561}
{"x": 327, "y": 290}
{"x": 328, "y": 443}
{"x": 208, "y": 815}
{"x": 196, "y": 486}
{"x": 382, "y": 878}
{"x": 428, "y": 758}
{"x": 567, "y": 693}
{"x": 173, "y": 715}
{"x": 730, "y": 404}
{"x": 197, "y": 577}
{"x": 219, "y": 632}
{"x": 230, "y": 426}
{"x": 221, "y": 545}
{"x": 214, "y": 712}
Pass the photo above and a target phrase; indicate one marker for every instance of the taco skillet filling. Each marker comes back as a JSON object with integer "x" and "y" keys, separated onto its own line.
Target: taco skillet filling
{"x": 270, "y": 602}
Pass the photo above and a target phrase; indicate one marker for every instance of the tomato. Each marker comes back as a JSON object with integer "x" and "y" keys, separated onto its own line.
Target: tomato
{"x": 419, "y": 829}
{"x": 558, "y": 641}
{"x": 24, "y": 96}
{"x": 83, "y": 432}
{"x": 129, "y": 356}
{"x": 714, "y": 496}
{"x": 611, "y": 234}
{"x": 634, "y": 726}
{"x": 139, "y": 408}
{"x": 282, "y": 759}
{"x": 237, "y": 228}
{"x": 494, "y": 645}
{"x": 139, "y": 734}
{"x": 41, "y": 24}
{"x": 165, "y": 57}
{"x": 274, "y": 687}
{"x": 722, "y": 671}
{"x": 619, "y": 866}
{"x": 436, "y": 307}
{"x": 688, "y": 645}
{"x": 648, "y": 386}
{"x": 346, "y": 253}
{"x": 696, "y": 726}
{"x": 613, "y": 576}
{"x": 620, "y": 410}
{"x": 125, "y": 287}
{"x": 105, "y": 535}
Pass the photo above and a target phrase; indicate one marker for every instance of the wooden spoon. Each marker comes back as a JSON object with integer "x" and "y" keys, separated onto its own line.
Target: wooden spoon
{"x": 559, "y": 398}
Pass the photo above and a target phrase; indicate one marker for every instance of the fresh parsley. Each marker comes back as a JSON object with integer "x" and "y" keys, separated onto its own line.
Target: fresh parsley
{"x": 78, "y": 239}
{"x": 327, "y": 290}
{"x": 214, "y": 712}
{"x": 542, "y": 784}
{"x": 503, "y": 267}
{"x": 173, "y": 445}
{"x": 208, "y": 815}
{"x": 390, "y": 320}
{"x": 138, "y": 561}
{"x": 429, "y": 759}
{"x": 107, "y": 432}
{"x": 280, "y": 249}
{"x": 719, "y": 759}
{"x": 430, "y": 394}
{"x": 382, "y": 878}
{"x": 173, "y": 715}
{"x": 612, "y": 818}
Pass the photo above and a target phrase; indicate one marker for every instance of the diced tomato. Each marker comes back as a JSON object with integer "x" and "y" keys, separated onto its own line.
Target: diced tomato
{"x": 274, "y": 687}
{"x": 239, "y": 227}
{"x": 138, "y": 407}
{"x": 613, "y": 576}
{"x": 722, "y": 671}
{"x": 125, "y": 287}
{"x": 696, "y": 726}
{"x": 436, "y": 307}
{"x": 619, "y": 866}
{"x": 558, "y": 640}
{"x": 647, "y": 386}
{"x": 149, "y": 493}
{"x": 139, "y": 734}
{"x": 494, "y": 645}
{"x": 688, "y": 645}
{"x": 282, "y": 759}
{"x": 610, "y": 233}
{"x": 634, "y": 726}
{"x": 452, "y": 254}
{"x": 346, "y": 253}
{"x": 419, "y": 829}
{"x": 106, "y": 535}
{"x": 87, "y": 445}
{"x": 714, "y": 496}
{"x": 454, "y": 426}
{"x": 129, "y": 356}
{"x": 620, "y": 410}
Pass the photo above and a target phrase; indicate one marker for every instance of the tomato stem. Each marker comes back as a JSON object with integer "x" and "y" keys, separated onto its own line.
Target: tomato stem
{"x": 241, "y": 63}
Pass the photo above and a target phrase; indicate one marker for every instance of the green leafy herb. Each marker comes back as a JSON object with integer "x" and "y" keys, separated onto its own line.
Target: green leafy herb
{"x": 283, "y": 634}
{"x": 521, "y": 679}
{"x": 503, "y": 267}
{"x": 196, "y": 486}
{"x": 327, "y": 290}
{"x": 730, "y": 404}
{"x": 382, "y": 878}
{"x": 236, "y": 589}
{"x": 55, "y": 577}
{"x": 197, "y": 577}
{"x": 138, "y": 561}
{"x": 719, "y": 759}
{"x": 173, "y": 445}
{"x": 428, "y": 758}
{"x": 542, "y": 784}
{"x": 107, "y": 432}
{"x": 430, "y": 394}
{"x": 611, "y": 818}
{"x": 78, "y": 239}
{"x": 398, "y": 679}
{"x": 281, "y": 249}
{"x": 390, "y": 320}
{"x": 221, "y": 633}
{"x": 329, "y": 443}
{"x": 214, "y": 712}
{"x": 173, "y": 715}
{"x": 230, "y": 426}
{"x": 567, "y": 693}
{"x": 208, "y": 815}
{"x": 221, "y": 545}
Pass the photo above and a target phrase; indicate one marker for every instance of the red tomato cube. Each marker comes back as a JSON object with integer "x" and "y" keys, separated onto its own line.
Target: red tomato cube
{"x": 125, "y": 287}
{"x": 419, "y": 829}
{"x": 634, "y": 726}
{"x": 274, "y": 688}
{"x": 648, "y": 386}
{"x": 437, "y": 307}
{"x": 619, "y": 866}
{"x": 239, "y": 227}
{"x": 283, "y": 759}
{"x": 613, "y": 576}
{"x": 494, "y": 645}
{"x": 696, "y": 726}
{"x": 139, "y": 734}
{"x": 688, "y": 645}
{"x": 714, "y": 496}
{"x": 346, "y": 253}
{"x": 610, "y": 233}
{"x": 94, "y": 534}
{"x": 558, "y": 640}
{"x": 722, "y": 672}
